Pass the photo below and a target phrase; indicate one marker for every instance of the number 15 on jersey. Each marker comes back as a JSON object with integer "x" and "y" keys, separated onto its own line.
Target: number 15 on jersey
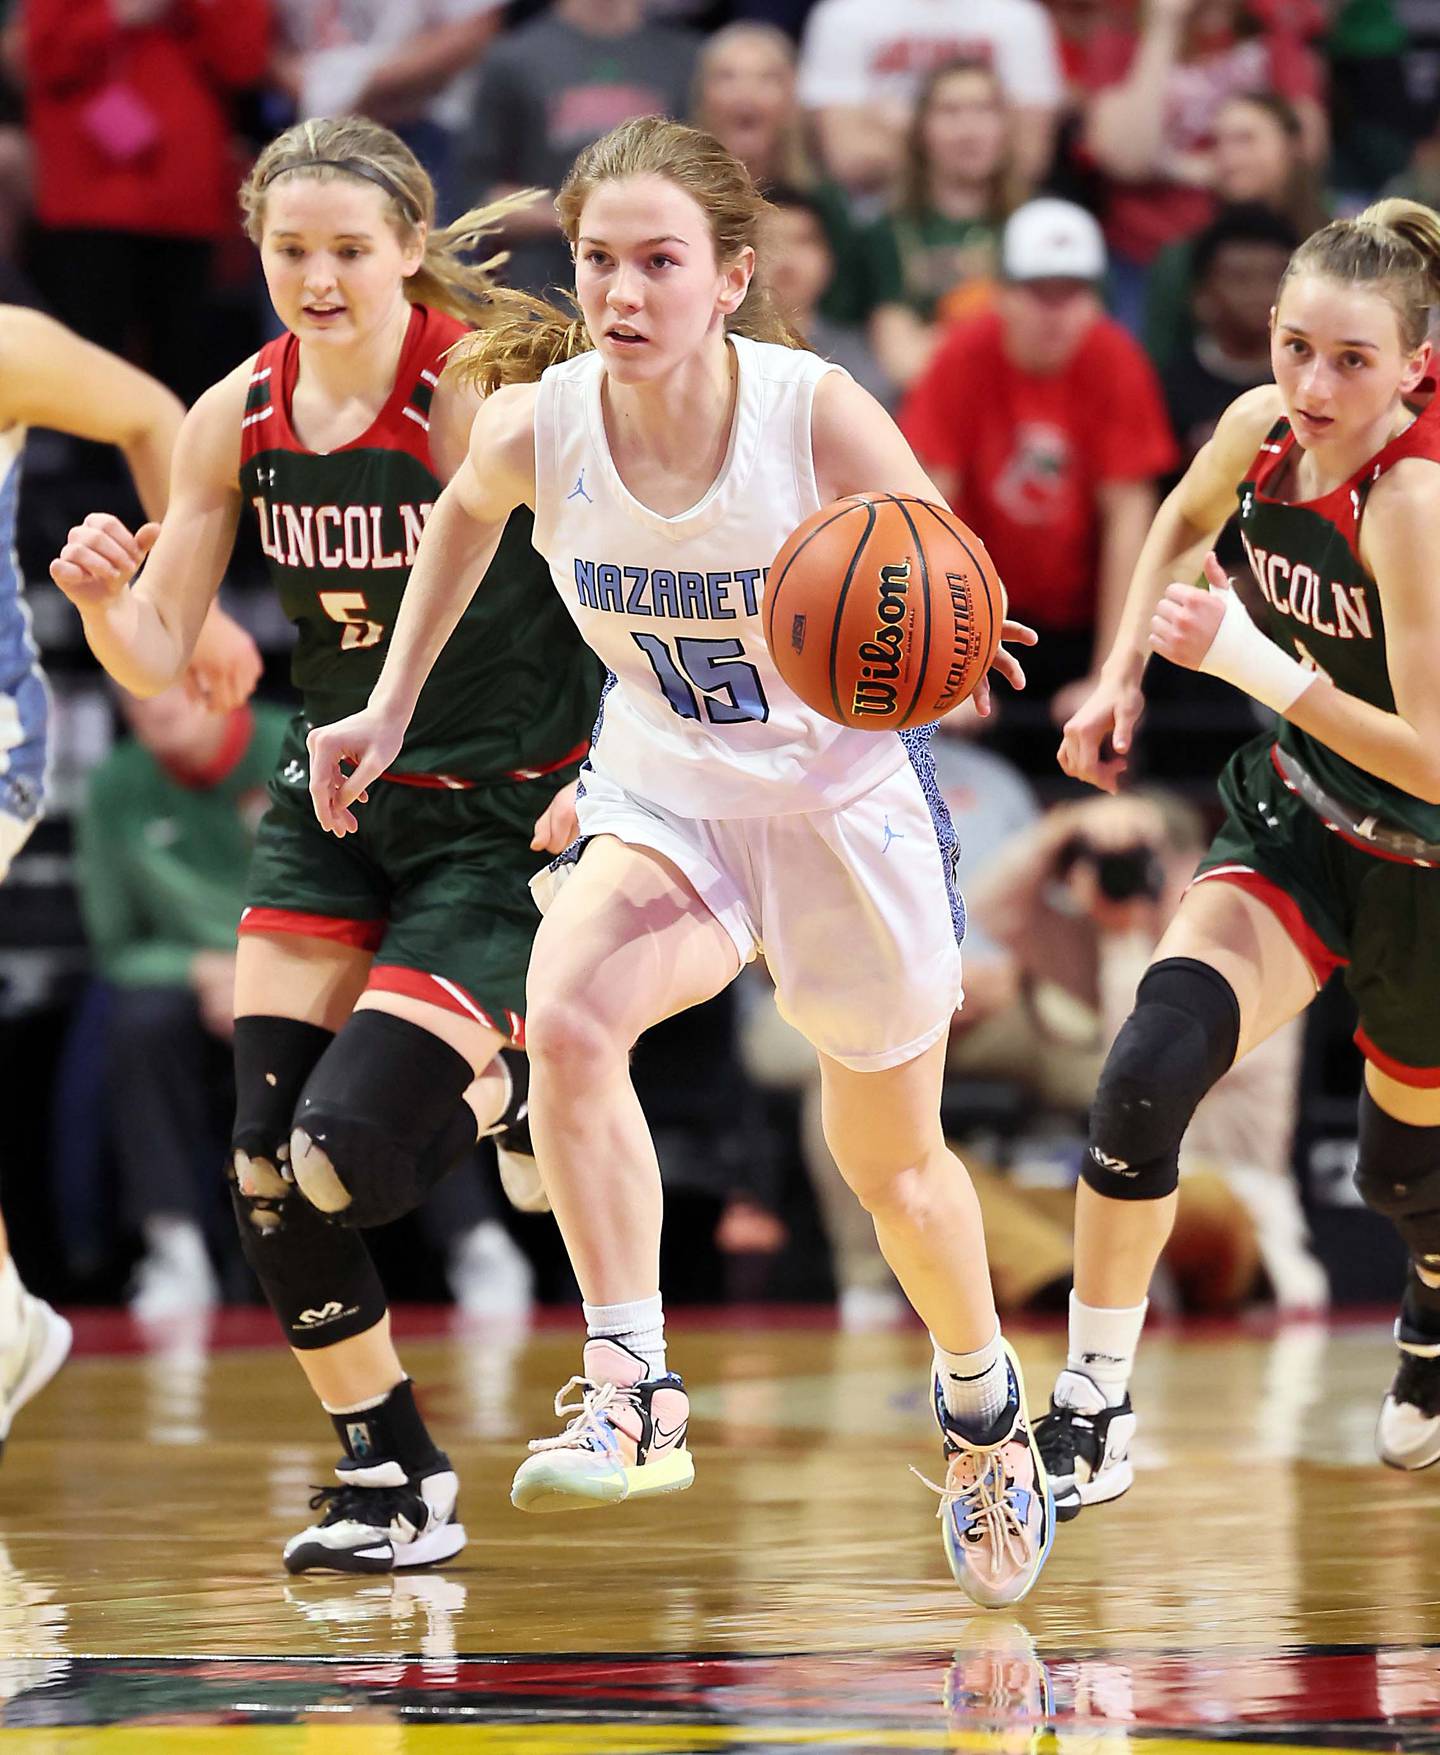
{"x": 714, "y": 671}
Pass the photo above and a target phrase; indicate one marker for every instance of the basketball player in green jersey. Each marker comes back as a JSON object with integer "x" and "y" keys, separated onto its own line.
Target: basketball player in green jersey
{"x": 1328, "y": 854}
{"x": 376, "y": 982}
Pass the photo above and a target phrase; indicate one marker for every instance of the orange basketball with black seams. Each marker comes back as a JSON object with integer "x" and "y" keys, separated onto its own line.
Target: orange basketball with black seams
{"x": 883, "y": 611}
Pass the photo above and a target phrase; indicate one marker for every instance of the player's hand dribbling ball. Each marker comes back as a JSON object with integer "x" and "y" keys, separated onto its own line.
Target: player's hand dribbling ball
{"x": 883, "y": 611}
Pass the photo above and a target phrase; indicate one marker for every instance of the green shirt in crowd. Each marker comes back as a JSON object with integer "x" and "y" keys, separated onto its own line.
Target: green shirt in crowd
{"x": 161, "y": 858}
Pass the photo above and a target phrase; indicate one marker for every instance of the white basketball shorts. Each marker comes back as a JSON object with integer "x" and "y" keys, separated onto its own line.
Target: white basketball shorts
{"x": 855, "y": 910}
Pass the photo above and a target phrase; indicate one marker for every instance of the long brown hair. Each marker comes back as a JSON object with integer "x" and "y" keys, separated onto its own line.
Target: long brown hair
{"x": 355, "y": 149}
{"x": 1006, "y": 188}
{"x": 521, "y": 335}
{"x": 1393, "y": 245}
{"x": 1302, "y": 201}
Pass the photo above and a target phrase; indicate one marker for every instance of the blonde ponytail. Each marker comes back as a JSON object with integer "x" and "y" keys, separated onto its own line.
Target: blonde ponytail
{"x": 1395, "y": 245}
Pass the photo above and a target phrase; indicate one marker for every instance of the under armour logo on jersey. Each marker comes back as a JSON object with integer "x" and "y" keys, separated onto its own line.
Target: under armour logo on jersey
{"x": 293, "y": 773}
{"x": 266, "y": 476}
{"x": 578, "y": 491}
{"x": 891, "y": 835}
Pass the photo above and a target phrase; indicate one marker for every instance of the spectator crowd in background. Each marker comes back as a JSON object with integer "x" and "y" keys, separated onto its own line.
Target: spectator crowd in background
{"x": 1045, "y": 233}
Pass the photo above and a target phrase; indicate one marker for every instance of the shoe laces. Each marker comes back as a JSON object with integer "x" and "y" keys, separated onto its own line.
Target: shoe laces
{"x": 1062, "y": 1435}
{"x": 587, "y": 1426}
{"x": 377, "y": 1507}
{"x": 1417, "y": 1382}
{"x": 993, "y": 1513}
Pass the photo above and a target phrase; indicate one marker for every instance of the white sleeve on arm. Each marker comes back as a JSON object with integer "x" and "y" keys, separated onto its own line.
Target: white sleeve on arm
{"x": 832, "y": 61}
{"x": 1027, "y": 58}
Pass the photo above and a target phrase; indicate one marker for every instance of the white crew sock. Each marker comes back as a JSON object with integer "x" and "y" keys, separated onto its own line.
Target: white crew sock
{"x": 12, "y": 1294}
{"x": 976, "y": 1386}
{"x": 640, "y": 1326}
{"x": 1102, "y": 1346}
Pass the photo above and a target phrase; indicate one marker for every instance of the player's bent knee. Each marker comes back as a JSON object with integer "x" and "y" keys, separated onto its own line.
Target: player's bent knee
{"x": 381, "y": 1119}
{"x": 1180, "y": 1038}
{"x": 560, "y": 1032}
{"x": 273, "y": 1059}
{"x": 1397, "y": 1174}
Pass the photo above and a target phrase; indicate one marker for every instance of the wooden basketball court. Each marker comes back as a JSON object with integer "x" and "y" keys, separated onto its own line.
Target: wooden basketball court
{"x": 1265, "y": 1583}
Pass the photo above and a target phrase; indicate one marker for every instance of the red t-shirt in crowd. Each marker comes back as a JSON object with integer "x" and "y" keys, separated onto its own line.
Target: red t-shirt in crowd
{"x": 1031, "y": 451}
{"x": 131, "y": 127}
{"x": 1141, "y": 218}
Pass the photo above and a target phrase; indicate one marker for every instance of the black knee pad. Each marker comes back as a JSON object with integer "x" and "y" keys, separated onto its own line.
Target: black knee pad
{"x": 1180, "y": 1038}
{"x": 384, "y": 1112}
{"x": 1397, "y": 1173}
{"x": 320, "y": 1282}
{"x": 273, "y": 1059}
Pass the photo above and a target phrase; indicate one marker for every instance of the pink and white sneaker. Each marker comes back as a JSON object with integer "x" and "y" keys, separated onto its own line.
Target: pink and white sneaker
{"x": 996, "y": 1509}
{"x": 625, "y": 1438}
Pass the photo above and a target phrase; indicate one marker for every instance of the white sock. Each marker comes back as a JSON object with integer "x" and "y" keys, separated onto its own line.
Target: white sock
{"x": 1103, "y": 1343}
{"x": 11, "y": 1293}
{"x": 976, "y": 1386}
{"x": 640, "y": 1326}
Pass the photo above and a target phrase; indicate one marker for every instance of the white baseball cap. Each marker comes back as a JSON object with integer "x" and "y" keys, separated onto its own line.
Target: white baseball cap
{"x": 1049, "y": 239}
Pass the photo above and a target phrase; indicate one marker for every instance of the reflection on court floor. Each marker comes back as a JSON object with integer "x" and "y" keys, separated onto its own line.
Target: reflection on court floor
{"x": 1265, "y": 1583}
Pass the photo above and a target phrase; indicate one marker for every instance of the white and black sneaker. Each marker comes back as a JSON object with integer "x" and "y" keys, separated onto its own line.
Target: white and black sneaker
{"x": 514, "y": 1154}
{"x": 380, "y": 1518}
{"x": 1085, "y": 1444}
{"x": 1407, "y": 1435}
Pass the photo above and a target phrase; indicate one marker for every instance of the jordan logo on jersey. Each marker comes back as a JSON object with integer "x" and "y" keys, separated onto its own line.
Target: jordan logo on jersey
{"x": 578, "y": 491}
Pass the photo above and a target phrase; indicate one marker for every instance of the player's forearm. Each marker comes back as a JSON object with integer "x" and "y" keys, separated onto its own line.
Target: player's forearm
{"x": 134, "y": 644}
{"x": 1174, "y": 549}
{"x": 454, "y": 553}
{"x": 1383, "y": 744}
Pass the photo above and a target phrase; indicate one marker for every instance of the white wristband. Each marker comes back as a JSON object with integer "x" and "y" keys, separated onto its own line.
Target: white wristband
{"x": 1242, "y": 655}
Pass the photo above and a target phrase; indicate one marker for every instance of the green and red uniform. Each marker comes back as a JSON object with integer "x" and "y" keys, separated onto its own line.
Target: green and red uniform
{"x": 435, "y": 882}
{"x": 1350, "y": 863}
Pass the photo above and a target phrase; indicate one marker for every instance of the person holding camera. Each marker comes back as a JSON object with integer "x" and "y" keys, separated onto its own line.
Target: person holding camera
{"x": 1077, "y": 903}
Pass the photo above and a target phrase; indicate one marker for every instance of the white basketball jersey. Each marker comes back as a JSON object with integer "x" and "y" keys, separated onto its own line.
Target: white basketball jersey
{"x": 698, "y": 720}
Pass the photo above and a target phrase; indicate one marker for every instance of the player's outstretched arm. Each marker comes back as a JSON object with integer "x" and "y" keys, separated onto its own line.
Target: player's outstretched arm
{"x": 1097, "y": 737}
{"x": 859, "y": 450}
{"x": 459, "y": 542}
{"x": 51, "y": 377}
{"x": 145, "y": 633}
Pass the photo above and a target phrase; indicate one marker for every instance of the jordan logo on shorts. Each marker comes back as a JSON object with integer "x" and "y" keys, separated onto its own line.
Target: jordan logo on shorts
{"x": 890, "y": 835}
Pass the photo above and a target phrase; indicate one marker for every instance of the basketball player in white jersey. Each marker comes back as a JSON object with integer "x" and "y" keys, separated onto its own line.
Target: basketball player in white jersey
{"x": 49, "y": 377}
{"x": 677, "y": 437}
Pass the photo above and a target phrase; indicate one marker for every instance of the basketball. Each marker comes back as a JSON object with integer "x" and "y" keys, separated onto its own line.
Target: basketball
{"x": 883, "y": 611}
